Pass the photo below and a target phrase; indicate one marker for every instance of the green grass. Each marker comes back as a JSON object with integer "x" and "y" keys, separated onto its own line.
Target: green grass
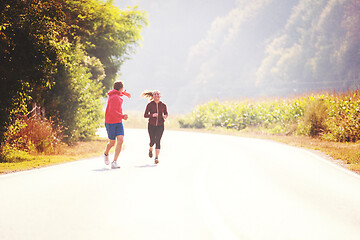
{"x": 21, "y": 161}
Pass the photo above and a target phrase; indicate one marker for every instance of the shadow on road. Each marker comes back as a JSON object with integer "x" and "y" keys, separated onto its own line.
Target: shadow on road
{"x": 146, "y": 166}
{"x": 102, "y": 170}
{"x": 109, "y": 169}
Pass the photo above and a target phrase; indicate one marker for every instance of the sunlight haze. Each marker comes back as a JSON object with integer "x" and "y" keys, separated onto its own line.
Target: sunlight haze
{"x": 196, "y": 51}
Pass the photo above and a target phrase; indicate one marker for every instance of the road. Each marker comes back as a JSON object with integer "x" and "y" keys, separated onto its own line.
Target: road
{"x": 205, "y": 187}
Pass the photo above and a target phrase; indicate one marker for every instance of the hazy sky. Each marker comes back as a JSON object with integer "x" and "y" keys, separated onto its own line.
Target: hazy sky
{"x": 195, "y": 51}
{"x": 180, "y": 33}
{"x": 198, "y": 50}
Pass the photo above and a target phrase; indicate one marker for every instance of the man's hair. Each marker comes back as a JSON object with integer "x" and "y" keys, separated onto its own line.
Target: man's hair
{"x": 118, "y": 85}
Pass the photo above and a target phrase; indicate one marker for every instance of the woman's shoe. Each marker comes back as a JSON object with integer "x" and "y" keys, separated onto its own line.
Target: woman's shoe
{"x": 150, "y": 154}
{"x": 156, "y": 160}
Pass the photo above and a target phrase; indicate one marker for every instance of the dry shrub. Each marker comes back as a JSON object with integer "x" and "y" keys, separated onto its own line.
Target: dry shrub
{"x": 34, "y": 135}
{"x": 313, "y": 122}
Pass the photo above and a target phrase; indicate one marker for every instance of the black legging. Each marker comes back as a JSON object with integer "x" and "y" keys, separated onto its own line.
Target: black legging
{"x": 155, "y": 133}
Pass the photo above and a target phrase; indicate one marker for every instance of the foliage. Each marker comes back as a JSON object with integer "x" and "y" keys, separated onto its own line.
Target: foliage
{"x": 106, "y": 32}
{"x": 344, "y": 118}
{"x": 239, "y": 115}
{"x": 62, "y": 55}
{"x": 76, "y": 98}
{"x": 28, "y": 30}
{"x": 332, "y": 117}
{"x": 313, "y": 123}
{"x": 30, "y": 135}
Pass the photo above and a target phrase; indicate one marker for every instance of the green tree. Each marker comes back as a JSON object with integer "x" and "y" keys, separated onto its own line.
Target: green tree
{"x": 63, "y": 55}
{"x": 28, "y": 31}
{"x": 106, "y": 32}
{"x": 101, "y": 38}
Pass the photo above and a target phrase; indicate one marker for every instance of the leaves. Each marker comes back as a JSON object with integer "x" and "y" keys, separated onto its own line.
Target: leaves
{"x": 63, "y": 55}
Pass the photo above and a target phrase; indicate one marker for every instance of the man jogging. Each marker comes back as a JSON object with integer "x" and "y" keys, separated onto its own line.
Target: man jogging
{"x": 113, "y": 122}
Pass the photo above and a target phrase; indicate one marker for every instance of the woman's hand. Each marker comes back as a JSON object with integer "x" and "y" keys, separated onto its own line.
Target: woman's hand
{"x": 125, "y": 117}
{"x": 155, "y": 115}
{"x": 164, "y": 116}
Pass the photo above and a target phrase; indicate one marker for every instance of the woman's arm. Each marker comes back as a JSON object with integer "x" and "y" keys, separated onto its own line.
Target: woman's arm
{"x": 147, "y": 112}
{"x": 165, "y": 113}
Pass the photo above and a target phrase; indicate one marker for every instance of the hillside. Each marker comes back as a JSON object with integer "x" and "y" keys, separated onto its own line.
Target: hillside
{"x": 197, "y": 51}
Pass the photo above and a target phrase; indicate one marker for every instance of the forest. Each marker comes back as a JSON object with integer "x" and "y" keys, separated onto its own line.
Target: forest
{"x": 318, "y": 49}
{"x": 269, "y": 48}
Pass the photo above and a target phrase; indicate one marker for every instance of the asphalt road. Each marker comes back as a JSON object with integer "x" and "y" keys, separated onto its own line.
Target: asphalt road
{"x": 205, "y": 187}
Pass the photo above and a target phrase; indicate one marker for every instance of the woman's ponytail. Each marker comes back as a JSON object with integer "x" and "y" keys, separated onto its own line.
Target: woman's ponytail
{"x": 148, "y": 95}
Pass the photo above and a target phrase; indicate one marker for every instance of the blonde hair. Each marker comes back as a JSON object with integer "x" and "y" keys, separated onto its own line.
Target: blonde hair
{"x": 149, "y": 94}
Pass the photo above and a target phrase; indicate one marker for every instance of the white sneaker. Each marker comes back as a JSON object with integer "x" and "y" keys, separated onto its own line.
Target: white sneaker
{"x": 106, "y": 159}
{"x": 114, "y": 165}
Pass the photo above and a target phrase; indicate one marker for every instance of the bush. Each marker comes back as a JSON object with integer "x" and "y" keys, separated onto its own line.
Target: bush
{"x": 30, "y": 135}
{"x": 344, "y": 119}
{"x": 313, "y": 123}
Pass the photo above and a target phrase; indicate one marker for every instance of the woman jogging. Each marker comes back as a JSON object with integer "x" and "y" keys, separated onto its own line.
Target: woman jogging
{"x": 113, "y": 122}
{"x": 156, "y": 111}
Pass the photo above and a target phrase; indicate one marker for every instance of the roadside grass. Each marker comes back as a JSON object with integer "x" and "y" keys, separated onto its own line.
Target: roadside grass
{"x": 344, "y": 154}
{"x": 79, "y": 150}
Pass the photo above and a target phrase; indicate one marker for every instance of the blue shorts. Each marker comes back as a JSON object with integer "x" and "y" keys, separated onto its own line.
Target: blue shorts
{"x": 114, "y": 129}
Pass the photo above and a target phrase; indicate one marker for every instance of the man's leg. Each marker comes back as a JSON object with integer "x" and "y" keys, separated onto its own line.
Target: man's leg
{"x": 110, "y": 129}
{"x": 110, "y": 144}
{"x": 120, "y": 140}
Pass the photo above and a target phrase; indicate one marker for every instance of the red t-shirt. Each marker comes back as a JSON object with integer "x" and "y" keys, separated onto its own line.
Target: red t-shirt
{"x": 113, "y": 112}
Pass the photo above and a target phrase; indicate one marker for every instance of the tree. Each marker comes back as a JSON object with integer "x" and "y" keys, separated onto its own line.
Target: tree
{"x": 106, "y": 32}
{"x": 318, "y": 50}
{"x": 28, "y": 31}
{"x": 62, "y": 55}
{"x": 352, "y": 18}
{"x": 351, "y": 50}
